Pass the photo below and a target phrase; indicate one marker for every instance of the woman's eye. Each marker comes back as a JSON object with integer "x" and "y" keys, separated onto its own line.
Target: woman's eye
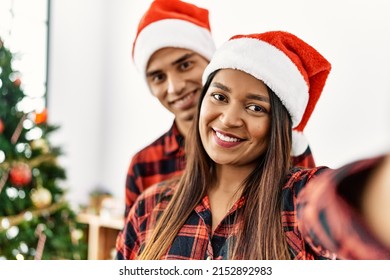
{"x": 219, "y": 97}
{"x": 256, "y": 108}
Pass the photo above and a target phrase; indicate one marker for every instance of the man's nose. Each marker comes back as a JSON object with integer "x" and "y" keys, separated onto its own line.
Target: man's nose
{"x": 175, "y": 84}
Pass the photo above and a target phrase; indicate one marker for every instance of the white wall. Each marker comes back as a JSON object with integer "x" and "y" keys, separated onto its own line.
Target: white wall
{"x": 76, "y": 84}
{"x": 107, "y": 112}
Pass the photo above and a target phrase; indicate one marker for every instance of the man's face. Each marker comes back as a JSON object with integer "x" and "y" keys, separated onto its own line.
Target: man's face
{"x": 175, "y": 77}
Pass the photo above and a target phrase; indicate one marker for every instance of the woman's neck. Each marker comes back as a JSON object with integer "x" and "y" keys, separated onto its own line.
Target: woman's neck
{"x": 226, "y": 190}
{"x": 230, "y": 178}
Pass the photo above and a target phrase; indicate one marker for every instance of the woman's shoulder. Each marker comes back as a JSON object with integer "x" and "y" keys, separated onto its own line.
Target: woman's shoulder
{"x": 302, "y": 173}
{"x": 298, "y": 177}
{"x": 163, "y": 189}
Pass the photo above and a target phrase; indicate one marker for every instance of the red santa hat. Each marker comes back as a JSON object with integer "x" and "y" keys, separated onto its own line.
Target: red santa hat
{"x": 172, "y": 23}
{"x": 291, "y": 68}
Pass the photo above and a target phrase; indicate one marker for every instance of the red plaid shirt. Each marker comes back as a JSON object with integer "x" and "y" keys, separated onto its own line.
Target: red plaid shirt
{"x": 159, "y": 161}
{"x": 318, "y": 222}
{"x": 165, "y": 158}
{"x": 305, "y": 160}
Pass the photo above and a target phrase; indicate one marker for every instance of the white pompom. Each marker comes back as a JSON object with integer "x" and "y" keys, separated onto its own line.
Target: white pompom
{"x": 299, "y": 143}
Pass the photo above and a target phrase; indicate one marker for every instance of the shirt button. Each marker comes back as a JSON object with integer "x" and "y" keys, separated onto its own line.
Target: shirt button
{"x": 209, "y": 258}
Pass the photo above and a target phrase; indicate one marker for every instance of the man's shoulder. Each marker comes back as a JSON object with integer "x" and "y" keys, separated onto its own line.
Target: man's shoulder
{"x": 168, "y": 145}
{"x": 154, "y": 147}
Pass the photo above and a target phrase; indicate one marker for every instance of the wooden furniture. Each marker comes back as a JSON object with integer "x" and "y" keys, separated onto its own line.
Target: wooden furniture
{"x": 102, "y": 233}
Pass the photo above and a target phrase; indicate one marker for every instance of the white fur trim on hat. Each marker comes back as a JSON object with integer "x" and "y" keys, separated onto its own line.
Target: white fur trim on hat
{"x": 268, "y": 64}
{"x": 171, "y": 33}
{"x": 299, "y": 143}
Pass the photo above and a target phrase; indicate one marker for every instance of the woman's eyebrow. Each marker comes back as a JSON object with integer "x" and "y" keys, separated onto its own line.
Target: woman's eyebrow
{"x": 221, "y": 86}
{"x": 251, "y": 96}
{"x": 258, "y": 97}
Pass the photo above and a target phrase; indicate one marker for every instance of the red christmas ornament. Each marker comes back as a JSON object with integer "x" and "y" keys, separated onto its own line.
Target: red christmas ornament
{"x": 1, "y": 126}
{"x": 41, "y": 117}
{"x": 20, "y": 174}
{"x": 17, "y": 82}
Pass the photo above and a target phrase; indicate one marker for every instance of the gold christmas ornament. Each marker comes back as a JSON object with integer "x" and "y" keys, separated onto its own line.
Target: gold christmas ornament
{"x": 40, "y": 144}
{"x": 76, "y": 235}
{"x": 41, "y": 197}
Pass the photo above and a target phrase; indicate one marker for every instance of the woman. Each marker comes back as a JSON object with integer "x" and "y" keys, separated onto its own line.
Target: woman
{"x": 239, "y": 198}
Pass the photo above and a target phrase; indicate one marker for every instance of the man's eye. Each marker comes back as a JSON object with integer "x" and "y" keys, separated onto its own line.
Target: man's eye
{"x": 185, "y": 65}
{"x": 158, "y": 78}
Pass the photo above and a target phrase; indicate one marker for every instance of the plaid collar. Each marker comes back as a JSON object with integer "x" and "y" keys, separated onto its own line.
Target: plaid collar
{"x": 173, "y": 140}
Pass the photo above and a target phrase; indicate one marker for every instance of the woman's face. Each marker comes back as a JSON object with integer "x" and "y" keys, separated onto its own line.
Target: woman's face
{"x": 235, "y": 118}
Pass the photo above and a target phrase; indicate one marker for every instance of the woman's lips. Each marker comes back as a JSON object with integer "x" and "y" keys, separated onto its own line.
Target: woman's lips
{"x": 226, "y": 141}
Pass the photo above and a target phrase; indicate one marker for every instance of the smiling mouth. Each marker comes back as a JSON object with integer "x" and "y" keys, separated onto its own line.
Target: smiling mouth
{"x": 226, "y": 138}
{"x": 226, "y": 141}
{"x": 185, "y": 102}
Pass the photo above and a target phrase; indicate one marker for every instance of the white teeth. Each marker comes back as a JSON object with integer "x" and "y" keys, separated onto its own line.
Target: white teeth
{"x": 226, "y": 138}
{"x": 184, "y": 99}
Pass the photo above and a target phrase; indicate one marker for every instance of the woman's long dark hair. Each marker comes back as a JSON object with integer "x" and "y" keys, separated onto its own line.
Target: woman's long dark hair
{"x": 262, "y": 235}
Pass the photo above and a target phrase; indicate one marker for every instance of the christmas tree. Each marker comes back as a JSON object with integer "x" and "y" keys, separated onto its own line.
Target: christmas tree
{"x": 36, "y": 222}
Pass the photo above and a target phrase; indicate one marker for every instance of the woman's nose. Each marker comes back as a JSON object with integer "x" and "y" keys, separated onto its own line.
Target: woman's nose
{"x": 231, "y": 116}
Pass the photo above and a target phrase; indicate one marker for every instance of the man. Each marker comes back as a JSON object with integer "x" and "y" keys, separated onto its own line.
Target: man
{"x": 172, "y": 48}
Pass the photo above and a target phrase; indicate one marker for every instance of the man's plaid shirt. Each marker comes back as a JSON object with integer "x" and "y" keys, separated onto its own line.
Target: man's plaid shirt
{"x": 157, "y": 162}
{"x": 164, "y": 159}
{"x": 319, "y": 219}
